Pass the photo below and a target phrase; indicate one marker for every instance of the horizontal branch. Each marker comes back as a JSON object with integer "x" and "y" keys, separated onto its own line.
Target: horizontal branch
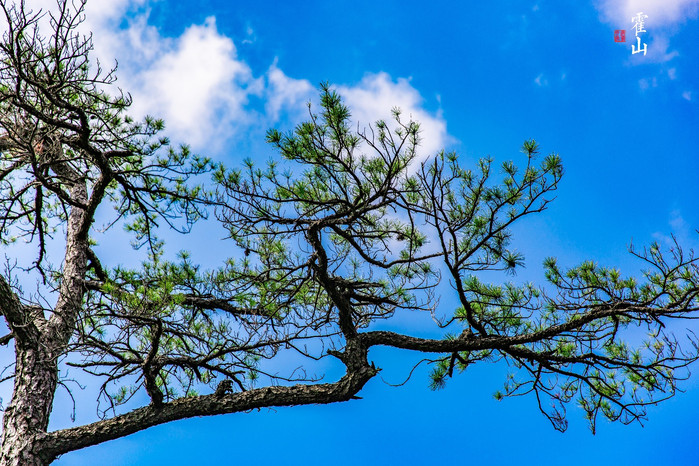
{"x": 4, "y": 340}
{"x": 427, "y": 345}
{"x": 62, "y": 441}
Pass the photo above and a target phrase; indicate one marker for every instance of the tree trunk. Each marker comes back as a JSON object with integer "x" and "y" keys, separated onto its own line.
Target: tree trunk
{"x": 26, "y": 418}
{"x": 39, "y": 342}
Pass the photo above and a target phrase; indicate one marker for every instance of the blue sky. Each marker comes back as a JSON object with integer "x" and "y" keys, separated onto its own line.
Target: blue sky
{"x": 481, "y": 77}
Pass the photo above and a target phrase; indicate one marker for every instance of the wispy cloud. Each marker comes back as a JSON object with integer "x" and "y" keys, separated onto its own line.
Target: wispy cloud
{"x": 202, "y": 89}
{"x": 680, "y": 230}
{"x": 541, "y": 81}
{"x": 250, "y": 36}
{"x": 286, "y": 95}
{"x": 377, "y": 93}
{"x": 658, "y": 46}
{"x": 647, "y": 83}
{"x": 660, "y": 12}
{"x": 663, "y": 19}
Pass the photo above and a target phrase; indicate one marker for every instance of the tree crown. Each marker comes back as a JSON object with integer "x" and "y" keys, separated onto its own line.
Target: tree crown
{"x": 327, "y": 245}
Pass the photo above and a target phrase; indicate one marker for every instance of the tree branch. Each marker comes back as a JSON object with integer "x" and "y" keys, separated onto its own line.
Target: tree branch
{"x": 62, "y": 441}
{"x": 20, "y": 319}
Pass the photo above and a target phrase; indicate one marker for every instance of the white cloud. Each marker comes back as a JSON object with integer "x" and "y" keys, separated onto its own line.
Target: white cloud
{"x": 657, "y": 48}
{"x": 687, "y": 95}
{"x": 286, "y": 95}
{"x": 680, "y": 229}
{"x": 98, "y": 13}
{"x": 196, "y": 83}
{"x": 250, "y": 36}
{"x": 660, "y": 12}
{"x": 647, "y": 83}
{"x": 201, "y": 88}
{"x": 678, "y": 223}
{"x": 663, "y": 18}
{"x": 672, "y": 73}
{"x": 373, "y": 98}
{"x": 370, "y": 100}
{"x": 541, "y": 81}
{"x": 109, "y": 10}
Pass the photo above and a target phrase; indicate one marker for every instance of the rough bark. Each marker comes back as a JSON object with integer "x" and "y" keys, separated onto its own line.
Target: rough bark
{"x": 359, "y": 372}
{"x": 26, "y": 418}
{"x": 38, "y": 345}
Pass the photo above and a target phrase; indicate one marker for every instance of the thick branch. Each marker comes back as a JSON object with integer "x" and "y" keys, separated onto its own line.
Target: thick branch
{"x": 62, "y": 441}
{"x": 427, "y": 345}
{"x": 6, "y": 339}
{"x": 19, "y": 318}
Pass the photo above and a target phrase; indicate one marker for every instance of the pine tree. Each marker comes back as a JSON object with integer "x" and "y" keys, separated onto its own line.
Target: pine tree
{"x": 343, "y": 230}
